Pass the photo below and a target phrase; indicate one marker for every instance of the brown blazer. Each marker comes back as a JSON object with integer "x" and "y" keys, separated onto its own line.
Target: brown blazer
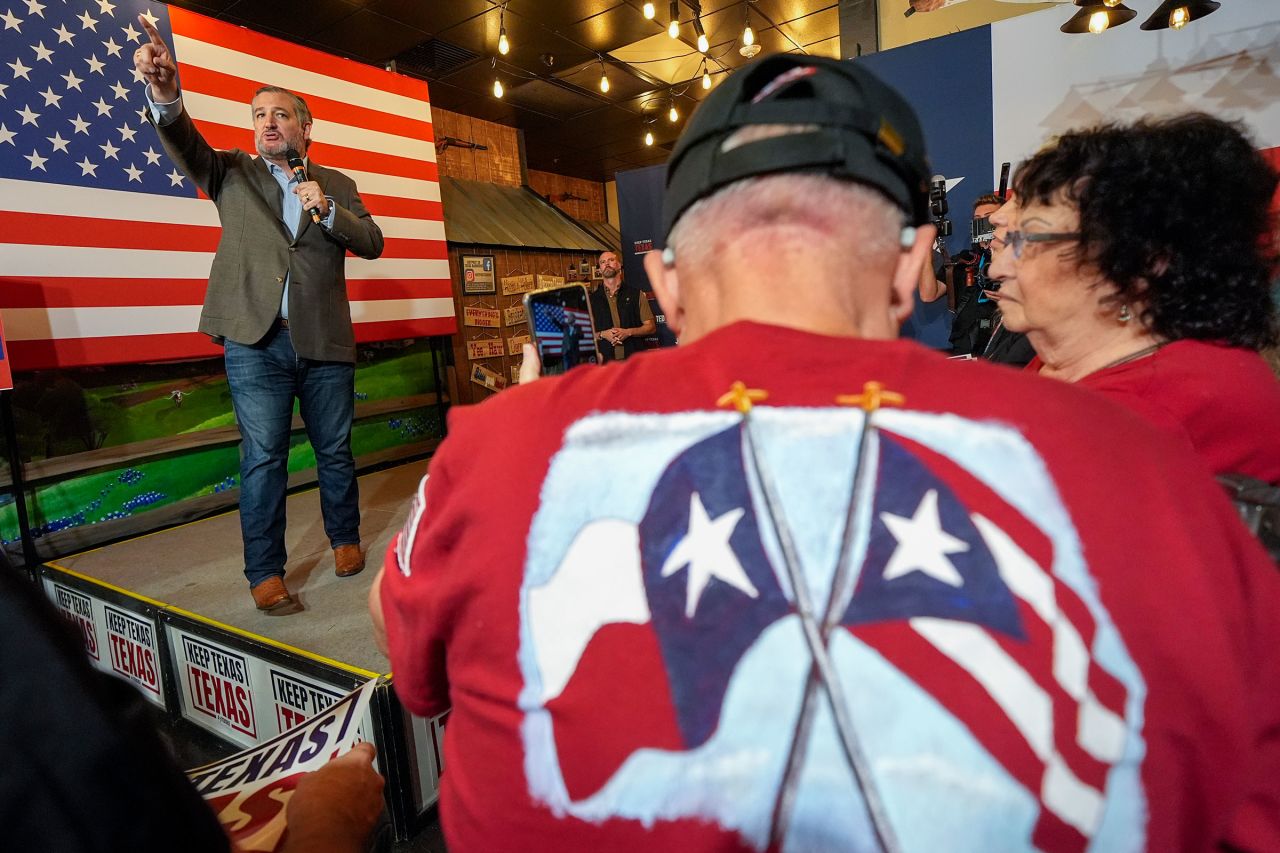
{"x": 256, "y": 252}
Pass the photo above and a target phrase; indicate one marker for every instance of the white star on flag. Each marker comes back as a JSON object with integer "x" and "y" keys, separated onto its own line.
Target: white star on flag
{"x": 87, "y": 168}
{"x": 175, "y": 178}
{"x": 65, "y": 36}
{"x": 87, "y": 23}
{"x": 109, "y": 150}
{"x": 106, "y": 8}
{"x": 37, "y": 162}
{"x": 34, "y": 7}
{"x": 923, "y": 545}
{"x": 104, "y": 109}
{"x": 113, "y": 49}
{"x": 42, "y": 53}
{"x": 120, "y": 91}
{"x": 134, "y": 173}
{"x": 73, "y": 82}
{"x": 3, "y": 86}
{"x": 95, "y": 65}
{"x": 28, "y": 117}
{"x": 706, "y": 551}
{"x": 151, "y": 19}
{"x": 79, "y": 124}
{"x": 127, "y": 133}
{"x": 130, "y": 33}
{"x": 153, "y": 158}
{"x": 6, "y": 135}
{"x": 50, "y": 99}
{"x": 19, "y": 70}
{"x": 11, "y": 22}
{"x": 59, "y": 144}
{"x": 137, "y": 75}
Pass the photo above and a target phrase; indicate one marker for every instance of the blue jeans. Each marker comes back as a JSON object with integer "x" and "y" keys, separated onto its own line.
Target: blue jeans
{"x": 265, "y": 378}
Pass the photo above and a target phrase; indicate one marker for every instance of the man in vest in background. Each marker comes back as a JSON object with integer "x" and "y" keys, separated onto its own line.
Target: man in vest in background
{"x": 622, "y": 315}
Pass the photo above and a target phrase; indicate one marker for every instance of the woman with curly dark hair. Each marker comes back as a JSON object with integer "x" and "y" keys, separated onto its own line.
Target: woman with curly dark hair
{"x": 1139, "y": 261}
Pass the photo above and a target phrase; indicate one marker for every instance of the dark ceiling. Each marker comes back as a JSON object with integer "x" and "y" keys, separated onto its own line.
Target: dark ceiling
{"x": 552, "y": 73}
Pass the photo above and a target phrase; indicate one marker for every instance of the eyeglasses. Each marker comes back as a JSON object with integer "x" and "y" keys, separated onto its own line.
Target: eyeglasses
{"x": 1017, "y": 240}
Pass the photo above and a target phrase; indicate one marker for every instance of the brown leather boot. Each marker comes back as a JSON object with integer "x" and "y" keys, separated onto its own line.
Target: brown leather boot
{"x": 348, "y": 560}
{"x": 271, "y": 596}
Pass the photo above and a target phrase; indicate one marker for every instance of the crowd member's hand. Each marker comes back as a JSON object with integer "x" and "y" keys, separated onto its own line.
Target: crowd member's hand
{"x": 154, "y": 61}
{"x": 310, "y": 194}
{"x": 531, "y": 366}
{"x": 334, "y": 809}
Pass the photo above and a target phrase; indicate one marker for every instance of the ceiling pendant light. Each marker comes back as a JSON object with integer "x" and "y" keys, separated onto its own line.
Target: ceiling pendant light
{"x": 648, "y": 137}
{"x": 1176, "y": 14}
{"x": 497, "y": 88}
{"x": 1097, "y": 17}
{"x": 604, "y": 78}
{"x": 649, "y": 11}
{"x": 504, "y": 46}
{"x": 706, "y": 76}
{"x": 748, "y": 37}
{"x": 673, "y": 114}
{"x": 673, "y": 28}
{"x": 703, "y": 44}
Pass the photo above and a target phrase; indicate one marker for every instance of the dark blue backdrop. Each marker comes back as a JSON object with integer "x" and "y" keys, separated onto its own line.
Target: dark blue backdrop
{"x": 640, "y": 212}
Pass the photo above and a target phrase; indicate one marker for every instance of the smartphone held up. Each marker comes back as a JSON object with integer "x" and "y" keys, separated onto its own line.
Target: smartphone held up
{"x": 563, "y": 331}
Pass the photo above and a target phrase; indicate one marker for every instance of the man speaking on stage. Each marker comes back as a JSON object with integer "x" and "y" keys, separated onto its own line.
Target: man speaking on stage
{"x": 277, "y": 301}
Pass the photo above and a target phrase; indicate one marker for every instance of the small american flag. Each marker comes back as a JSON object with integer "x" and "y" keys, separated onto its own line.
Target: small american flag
{"x": 551, "y": 322}
{"x": 105, "y": 247}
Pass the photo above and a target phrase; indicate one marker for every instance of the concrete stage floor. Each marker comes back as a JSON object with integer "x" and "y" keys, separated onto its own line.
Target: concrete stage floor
{"x": 199, "y": 567}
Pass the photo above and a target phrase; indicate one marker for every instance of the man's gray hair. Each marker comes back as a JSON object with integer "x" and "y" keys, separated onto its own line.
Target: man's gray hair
{"x": 300, "y": 109}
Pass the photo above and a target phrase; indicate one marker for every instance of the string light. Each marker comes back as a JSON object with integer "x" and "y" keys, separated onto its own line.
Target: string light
{"x": 497, "y": 88}
{"x": 703, "y": 44}
{"x": 648, "y": 137}
{"x": 1179, "y": 17}
{"x": 673, "y": 28}
{"x": 504, "y": 46}
{"x": 706, "y": 76}
{"x": 748, "y": 37}
{"x": 674, "y": 114}
{"x": 604, "y": 78}
{"x": 1098, "y": 22}
{"x": 649, "y": 11}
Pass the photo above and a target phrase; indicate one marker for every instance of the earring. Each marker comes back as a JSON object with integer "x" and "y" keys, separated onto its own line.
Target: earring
{"x": 1124, "y": 315}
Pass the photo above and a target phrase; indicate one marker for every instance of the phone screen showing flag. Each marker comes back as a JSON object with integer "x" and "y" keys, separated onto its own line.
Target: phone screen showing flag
{"x": 562, "y": 328}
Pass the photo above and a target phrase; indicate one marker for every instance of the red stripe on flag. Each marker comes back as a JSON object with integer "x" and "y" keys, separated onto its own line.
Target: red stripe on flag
{"x": 220, "y": 84}
{"x": 388, "y": 330}
{"x": 226, "y": 137}
{"x": 40, "y": 229}
{"x": 238, "y": 38}
{"x": 127, "y": 292}
{"x": 407, "y": 247}
{"x": 409, "y": 208}
{"x": 39, "y": 355}
{"x": 378, "y": 289}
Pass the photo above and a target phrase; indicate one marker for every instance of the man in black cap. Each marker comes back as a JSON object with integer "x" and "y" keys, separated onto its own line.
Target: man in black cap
{"x": 797, "y": 585}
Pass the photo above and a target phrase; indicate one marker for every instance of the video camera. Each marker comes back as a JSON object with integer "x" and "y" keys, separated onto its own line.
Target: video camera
{"x": 938, "y": 208}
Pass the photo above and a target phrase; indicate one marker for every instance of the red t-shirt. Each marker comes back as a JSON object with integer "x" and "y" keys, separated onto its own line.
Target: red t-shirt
{"x": 1224, "y": 400}
{"x": 1040, "y": 621}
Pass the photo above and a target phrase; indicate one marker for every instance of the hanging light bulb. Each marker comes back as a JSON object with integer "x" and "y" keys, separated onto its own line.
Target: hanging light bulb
{"x": 673, "y": 28}
{"x": 648, "y": 137}
{"x": 748, "y": 37}
{"x": 1096, "y": 16}
{"x": 706, "y": 78}
{"x": 1098, "y": 22}
{"x": 649, "y": 11}
{"x": 504, "y": 46}
{"x": 674, "y": 114}
{"x": 1179, "y": 17}
{"x": 703, "y": 44}
{"x": 497, "y": 88}
{"x": 604, "y": 79}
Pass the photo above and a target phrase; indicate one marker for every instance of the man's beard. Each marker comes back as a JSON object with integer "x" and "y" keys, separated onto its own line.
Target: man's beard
{"x": 275, "y": 149}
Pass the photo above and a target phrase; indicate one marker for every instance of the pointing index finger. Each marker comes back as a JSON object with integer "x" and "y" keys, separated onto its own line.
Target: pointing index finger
{"x": 152, "y": 32}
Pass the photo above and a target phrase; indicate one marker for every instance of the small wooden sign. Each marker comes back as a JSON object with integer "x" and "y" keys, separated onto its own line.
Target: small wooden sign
{"x": 550, "y": 281}
{"x": 477, "y": 274}
{"x": 490, "y": 379}
{"x": 513, "y": 315}
{"x": 515, "y": 342}
{"x": 515, "y": 374}
{"x": 488, "y": 348}
{"x": 488, "y": 318}
{"x": 517, "y": 284}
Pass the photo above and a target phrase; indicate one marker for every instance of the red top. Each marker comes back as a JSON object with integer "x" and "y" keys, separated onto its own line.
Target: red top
{"x": 1039, "y": 644}
{"x": 1224, "y": 400}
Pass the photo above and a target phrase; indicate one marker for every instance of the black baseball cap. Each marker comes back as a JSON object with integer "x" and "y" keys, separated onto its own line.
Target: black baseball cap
{"x": 865, "y": 132}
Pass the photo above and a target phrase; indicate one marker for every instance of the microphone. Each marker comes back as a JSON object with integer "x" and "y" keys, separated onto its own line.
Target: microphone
{"x": 300, "y": 171}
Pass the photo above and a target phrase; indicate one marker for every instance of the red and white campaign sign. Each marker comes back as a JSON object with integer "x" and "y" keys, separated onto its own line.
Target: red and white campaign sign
{"x": 78, "y": 607}
{"x": 250, "y": 790}
{"x": 134, "y": 654}
{"x": 215, "y": 681}
{"x": 298, "y": 699}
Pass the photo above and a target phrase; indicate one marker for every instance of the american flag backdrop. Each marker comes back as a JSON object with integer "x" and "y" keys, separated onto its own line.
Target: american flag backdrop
{"x": 549, "y": 322}
{"x": 105, "y": 247}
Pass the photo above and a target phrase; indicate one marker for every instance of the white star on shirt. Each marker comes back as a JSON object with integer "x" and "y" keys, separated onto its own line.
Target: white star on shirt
{"x": 134, "y": 173}
{"x": 109, "y": 150}
{"x": 923, "y": 545}
{"x": 42, "y": 53}
{"x": 79, "y": 124}
{"x": 65, "y": 36}
{"x": 34, "y": 7}
{"x": 130, "y": 33}
{"x": 127, "y": 133}
{"x": 104, "y": 109}
{"x": 151, "y": 19}
{"x": 59, "y": 144}
{"x": 175, "y": 178}
{"x": 51, "y": 99}
{"x": 113, "y": 49}
{"x": 37, "y": 162}
{"x": 87, "y": 23}
{"x": 121, "y": 92}
{"x": 73, "y": 82}
{"x": 87, "y": 168}
{"x": 106, "y": 8}
{"x": 95, "y": 65}
{"x": 706, "y": 551}
{"x": 6, "y": 135}
{"x": 19, "y": 70}
{"x": 28, "y": 116}
{"x": 11, "y": 22}
{"x": 153, "y": 158}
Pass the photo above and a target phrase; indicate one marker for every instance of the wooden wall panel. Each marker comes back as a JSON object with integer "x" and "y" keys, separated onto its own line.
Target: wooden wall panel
{"x": 587, "y": 197}
{"x": 499, "y": 163}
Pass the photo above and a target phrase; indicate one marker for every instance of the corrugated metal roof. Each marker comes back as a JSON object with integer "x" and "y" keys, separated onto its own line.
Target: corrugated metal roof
{"x": 481, "y": 213}
{"x": 604, "y": 232}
